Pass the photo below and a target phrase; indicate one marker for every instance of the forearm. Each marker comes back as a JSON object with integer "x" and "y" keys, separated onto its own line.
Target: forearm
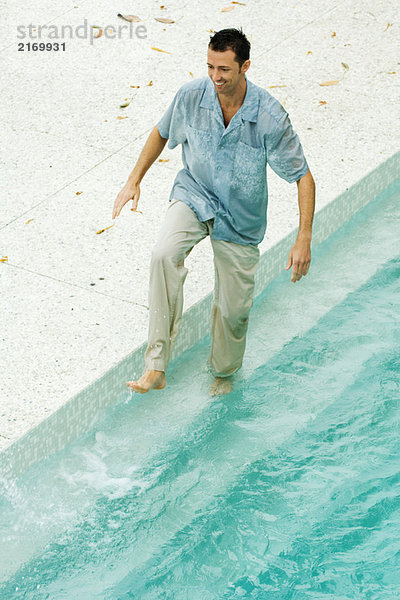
{"x": 151, "y": 150}
{"x": 306, "y": 199}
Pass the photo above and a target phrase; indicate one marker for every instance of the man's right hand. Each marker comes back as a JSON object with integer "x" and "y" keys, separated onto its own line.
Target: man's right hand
{"x": 130, "y": 191}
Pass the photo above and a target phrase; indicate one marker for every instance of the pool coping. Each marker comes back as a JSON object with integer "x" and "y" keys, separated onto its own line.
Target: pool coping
{"x": 79, "y": 413}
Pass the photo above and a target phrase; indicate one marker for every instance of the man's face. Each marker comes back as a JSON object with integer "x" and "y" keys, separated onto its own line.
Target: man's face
{"x": 224, "y": 70}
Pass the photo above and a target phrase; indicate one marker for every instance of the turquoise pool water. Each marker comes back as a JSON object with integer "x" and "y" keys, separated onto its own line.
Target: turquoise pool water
{"x": 288, "y": 488}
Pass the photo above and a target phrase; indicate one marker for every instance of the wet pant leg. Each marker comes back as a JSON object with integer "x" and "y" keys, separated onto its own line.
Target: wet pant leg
{"x": 180, "y": 232}
{"x": 235, "y": 266}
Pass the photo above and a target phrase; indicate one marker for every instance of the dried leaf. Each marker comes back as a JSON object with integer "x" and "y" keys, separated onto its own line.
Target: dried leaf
{"x": 130, "y": 18}
{"x": 227, "y": 8}
{"x": 150, "y": 83}
{"x": 333, "y": 34}
{"x": 163, "y": 160}
{"x": 28, "y": 221}
{"x": 309, "y": 52}
{"x": 105, "y": 228}
{"x": 241, "y": 3}
{"x": 99, "y": 33}
{"x": 333, "y": 82}
{"x": 135, "y": 86}
{"x": 388, "y": 25}
{"x": 191, "y": 74}
{"x": 322, "y": 102}
{"x": 163, "y": 20}
{"x": 136, "y": 210}
{"x": 78, "y": 193}
{"x": 4, "y": 259}
{"x": 345, "y": 65}
{"x": 277, "y": 86}
{"x": 159, "y": 50}
{"x": 162, "y": 6}
{"x": 123, "y": 117}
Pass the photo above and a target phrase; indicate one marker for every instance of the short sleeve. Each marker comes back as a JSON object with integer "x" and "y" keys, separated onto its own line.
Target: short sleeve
{"x": 172, "y": 124}
{"x": 285, "y": 153}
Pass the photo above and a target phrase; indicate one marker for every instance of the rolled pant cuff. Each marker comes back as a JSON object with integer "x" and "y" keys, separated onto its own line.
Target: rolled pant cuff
{"x": 155, "y": 365}
{"x": 222, "y": 373}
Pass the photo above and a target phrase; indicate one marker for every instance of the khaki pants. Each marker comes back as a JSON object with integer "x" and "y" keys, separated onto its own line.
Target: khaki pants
{"x": 234, "y": 267}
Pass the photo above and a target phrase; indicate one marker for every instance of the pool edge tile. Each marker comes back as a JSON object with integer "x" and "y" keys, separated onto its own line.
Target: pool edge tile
{"x": 74, "y": 418}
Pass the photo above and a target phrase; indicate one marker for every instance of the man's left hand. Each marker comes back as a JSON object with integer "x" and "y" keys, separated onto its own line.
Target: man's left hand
{"x": 300, "y": 259}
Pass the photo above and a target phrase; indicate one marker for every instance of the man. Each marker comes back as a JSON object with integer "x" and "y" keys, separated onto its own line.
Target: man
{"x": 229, "y": 129}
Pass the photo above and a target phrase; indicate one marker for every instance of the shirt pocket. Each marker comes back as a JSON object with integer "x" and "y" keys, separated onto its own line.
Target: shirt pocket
{"x": 249, "y": 172}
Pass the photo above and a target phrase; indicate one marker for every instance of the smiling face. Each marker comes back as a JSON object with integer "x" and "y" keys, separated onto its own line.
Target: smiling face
{"x": 225, "y": 72}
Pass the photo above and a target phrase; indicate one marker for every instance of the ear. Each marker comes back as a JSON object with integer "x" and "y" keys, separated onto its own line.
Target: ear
{"x": 245, "y": 66}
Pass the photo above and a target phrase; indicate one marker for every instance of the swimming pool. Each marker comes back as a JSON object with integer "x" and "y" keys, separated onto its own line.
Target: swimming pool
{"x": 287, "y": 488}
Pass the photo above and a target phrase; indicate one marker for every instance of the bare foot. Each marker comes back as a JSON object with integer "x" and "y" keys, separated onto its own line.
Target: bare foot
{"x": 150, "y": 380}
{"x": 221, "y": 386}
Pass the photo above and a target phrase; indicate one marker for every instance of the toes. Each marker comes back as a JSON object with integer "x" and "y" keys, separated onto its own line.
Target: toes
{"x": 145, "y": 386}
{"x": 220, "y": 389}
{"x": 135, "y": 385}
{"x": 139, "y": 389}
{"x": 132, "y": 384}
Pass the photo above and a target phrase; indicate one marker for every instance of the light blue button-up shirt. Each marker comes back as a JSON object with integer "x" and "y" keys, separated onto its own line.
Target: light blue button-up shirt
{"x": 225, "y": 168}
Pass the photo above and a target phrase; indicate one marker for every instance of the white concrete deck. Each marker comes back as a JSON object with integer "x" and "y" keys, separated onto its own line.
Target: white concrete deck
{"x": 74, "y": 303}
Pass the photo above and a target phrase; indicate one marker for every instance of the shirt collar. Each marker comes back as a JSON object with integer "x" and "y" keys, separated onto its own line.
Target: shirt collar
{"x": 249, "y": 108}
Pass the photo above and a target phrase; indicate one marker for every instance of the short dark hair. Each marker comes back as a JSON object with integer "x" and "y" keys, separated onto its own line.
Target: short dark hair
{"x": 231, "y": 39}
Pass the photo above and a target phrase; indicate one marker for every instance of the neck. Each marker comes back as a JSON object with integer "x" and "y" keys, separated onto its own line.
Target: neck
{"x": 236, "y": 98}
